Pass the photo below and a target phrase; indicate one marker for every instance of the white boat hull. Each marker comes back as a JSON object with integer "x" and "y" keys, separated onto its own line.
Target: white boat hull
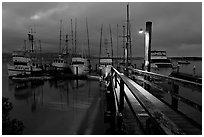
{"x": 61, "y": 66}
{"x": 15, "y": 70}
{"x": 80, "y": 66}
{"x": 79, "y": 69}
{"x": 163, "y": 71}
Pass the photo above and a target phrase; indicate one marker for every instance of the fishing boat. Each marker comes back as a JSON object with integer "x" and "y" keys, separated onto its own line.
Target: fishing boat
{"x": 62, "y": 63}
{"x": 183, "y": 62}
{"x": 24, "y": 62}
{"x": 79, "y": 65}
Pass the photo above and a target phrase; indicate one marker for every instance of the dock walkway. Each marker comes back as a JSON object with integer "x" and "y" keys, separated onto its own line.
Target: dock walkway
{"x": 151, "y": 115}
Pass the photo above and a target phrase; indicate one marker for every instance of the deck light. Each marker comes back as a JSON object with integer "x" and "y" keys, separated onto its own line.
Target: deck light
{"x": 141, "y": 31}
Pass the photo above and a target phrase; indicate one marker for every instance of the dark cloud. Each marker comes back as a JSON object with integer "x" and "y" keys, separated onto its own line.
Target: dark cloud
{"x": 177, "y": 27}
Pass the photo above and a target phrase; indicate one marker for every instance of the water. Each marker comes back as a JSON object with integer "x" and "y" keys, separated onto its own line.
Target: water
{"x": 75, "y": 107}
{"x": 57, "y": 107}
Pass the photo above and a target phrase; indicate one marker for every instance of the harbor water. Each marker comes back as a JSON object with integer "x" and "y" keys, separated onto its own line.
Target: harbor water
{"x": 65, "y": 106}
{"x": 57, "y": 107}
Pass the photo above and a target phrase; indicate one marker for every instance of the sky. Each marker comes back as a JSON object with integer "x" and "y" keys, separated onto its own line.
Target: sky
{"x": 176, "y": 27}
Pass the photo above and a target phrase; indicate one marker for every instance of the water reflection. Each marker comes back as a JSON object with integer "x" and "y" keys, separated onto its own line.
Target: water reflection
{"x": 184, "y": 98}
{"x": 68, "y": 102}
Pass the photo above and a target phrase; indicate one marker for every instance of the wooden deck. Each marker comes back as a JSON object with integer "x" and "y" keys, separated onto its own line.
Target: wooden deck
{"x": 147, "y": 110}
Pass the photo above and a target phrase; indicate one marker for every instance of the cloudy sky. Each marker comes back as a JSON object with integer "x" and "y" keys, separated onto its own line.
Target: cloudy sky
{"x": 177, "y": 27}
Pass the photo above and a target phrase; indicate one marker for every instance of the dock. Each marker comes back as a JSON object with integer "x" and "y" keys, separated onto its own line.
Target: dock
{"x": 136, "y": 111}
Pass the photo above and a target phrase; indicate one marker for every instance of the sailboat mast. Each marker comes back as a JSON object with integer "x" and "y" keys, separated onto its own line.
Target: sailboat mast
{"x": 123, "y": 43}
{"x": 66, "y": 43}
{"x": 25, "y": 45}
{"x": 88, "y": 38}
{"x": 130, "y": 43}
{"x": 75, "y": 36}
{"x": 127, "y": 36}
{"x": 117, "y": 44}
{"x": 60, "y": 36}
{"x": 72, "y": 34}
{"x": 40, "y": 48}
{"x": 111, "y": 42}
{"x": 100, "y": 43}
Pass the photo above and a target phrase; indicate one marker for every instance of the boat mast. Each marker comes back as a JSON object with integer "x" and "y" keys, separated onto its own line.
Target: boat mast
{"x": 127, "y": 36}
{"x": 40, "y": 48}
{"x": 89, "y": 61}
{"x": 25, "y": 45}
{"x": 88, "y": 38}
{"x": 72, "y": 35}
{"x": 31, "y": 39}
{"x": 60, "y": 36}
{"x": 66, "y": 40}
{"x": 75, "y": 36}
{"x": 100, "y": 43}
{"x": 123, "y": 43}
{"x": 111, "y": 42}
{"x": 130, "y": 43}
{"x": 117, "y": 44}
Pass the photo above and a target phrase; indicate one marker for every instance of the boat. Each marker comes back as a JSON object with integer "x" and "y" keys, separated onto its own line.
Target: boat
{"x": 160, "y": 63}
{"x": 62, "y": 63}
{"x": 79, "y": 65}
{"x": 24, "y": 62}
{"x": 183, "y": 62}
{"x": 160, "y": 60}
{"x": 105, "y": 62}
{"x": 105, "y": 66}
{"x": 127, "y": 48}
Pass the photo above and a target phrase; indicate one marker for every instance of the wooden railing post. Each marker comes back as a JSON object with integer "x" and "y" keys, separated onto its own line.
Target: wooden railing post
{"x": 121, "y": 95}
{"x": 115, "y": 80}
{"x": 175, "y": 90}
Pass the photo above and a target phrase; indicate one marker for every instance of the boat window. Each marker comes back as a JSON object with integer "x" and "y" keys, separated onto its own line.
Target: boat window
{"x": 20, "y": 63}
{"x": 75, "y": 63}
{"x": 160, "y": 60}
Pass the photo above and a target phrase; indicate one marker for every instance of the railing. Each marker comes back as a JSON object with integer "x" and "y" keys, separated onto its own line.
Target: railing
{"x": 146, "y": 108}
{"x": 175, "y": 83}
